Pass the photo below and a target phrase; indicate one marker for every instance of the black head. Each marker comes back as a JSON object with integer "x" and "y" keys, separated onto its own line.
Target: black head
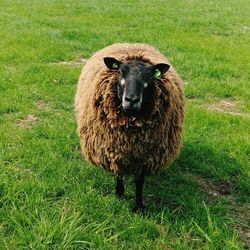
{"x": 135, "y": 81}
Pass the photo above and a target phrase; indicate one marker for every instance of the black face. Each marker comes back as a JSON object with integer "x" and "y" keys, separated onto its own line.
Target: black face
{"x": 134, "y": 83}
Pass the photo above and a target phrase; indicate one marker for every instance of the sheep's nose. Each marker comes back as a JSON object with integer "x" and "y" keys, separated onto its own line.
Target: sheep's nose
{"x": 132, "y": 99}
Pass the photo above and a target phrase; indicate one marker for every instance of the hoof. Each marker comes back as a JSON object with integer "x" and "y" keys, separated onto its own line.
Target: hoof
{"x": 138, "y": 209}
{"x": 120, "y": 196}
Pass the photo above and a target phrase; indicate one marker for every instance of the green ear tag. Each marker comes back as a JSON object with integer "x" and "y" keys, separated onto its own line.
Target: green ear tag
{"x": 157, "y": 73}
{"x": 115, "y": 66}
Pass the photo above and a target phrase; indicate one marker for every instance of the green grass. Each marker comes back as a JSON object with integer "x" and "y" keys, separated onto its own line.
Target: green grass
{"x": 50, "y": 198}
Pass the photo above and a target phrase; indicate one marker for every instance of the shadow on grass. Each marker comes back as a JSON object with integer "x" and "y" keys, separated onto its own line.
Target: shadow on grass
{"x": 201, "y": 173}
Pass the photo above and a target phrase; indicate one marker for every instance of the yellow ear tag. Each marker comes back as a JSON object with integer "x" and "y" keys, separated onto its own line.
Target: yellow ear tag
{"x": 115, "y": 66}
{"x": 157, "y": 73}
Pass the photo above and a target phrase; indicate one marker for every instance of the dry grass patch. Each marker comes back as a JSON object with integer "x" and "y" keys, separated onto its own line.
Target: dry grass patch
{"x": 77, "y": 62}
{"x": 27, "y": 122}
{"x": 40, "y": 104}
{"x": 227, "y": 106}
{"x": 215, "y": 190}
{"x": 245, "y": 28}
{"x": 241, "y": 214}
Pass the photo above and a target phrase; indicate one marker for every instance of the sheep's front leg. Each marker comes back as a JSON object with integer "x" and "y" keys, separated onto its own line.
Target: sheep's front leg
{"x": 119, "y": 189}
{"x": 139, "y": 181}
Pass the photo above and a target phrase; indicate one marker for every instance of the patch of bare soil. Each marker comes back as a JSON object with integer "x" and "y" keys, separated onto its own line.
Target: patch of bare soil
{"x": 27, "y": 122}
{"x": 215, "y": 190}
{"x": 227, "y": 106}
{"x": 240, "y": 212}
{"x": 77, "y": 62}
{"x": 40, "y": 104}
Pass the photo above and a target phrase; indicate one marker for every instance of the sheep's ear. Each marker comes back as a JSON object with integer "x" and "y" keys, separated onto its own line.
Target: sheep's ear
{"x": 160, "y": 69}
{"x": 112, "y": 63}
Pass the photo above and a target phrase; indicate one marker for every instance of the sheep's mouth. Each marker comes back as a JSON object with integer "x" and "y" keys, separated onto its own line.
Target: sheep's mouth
{"x": 131, "y": 109}
{"x": 130, "y": 112}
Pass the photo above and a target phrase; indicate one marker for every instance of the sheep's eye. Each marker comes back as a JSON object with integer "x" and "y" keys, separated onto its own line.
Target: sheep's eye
{"x": 157, "y": 73}
{"x": 115, "y": 66}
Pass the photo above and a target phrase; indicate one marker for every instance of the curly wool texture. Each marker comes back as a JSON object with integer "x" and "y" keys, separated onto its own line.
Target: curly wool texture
{"x": 124, "y": 145}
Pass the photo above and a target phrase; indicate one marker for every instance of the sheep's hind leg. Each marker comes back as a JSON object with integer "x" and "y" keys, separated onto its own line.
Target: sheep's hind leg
{"x": 119, "y": 189}
{"x": 139, "y": 181}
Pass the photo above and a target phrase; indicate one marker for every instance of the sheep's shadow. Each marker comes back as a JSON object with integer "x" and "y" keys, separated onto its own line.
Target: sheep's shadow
{"x": 180, "y": 187}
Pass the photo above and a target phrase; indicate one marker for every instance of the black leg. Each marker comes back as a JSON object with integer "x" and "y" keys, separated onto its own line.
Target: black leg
{"x": 119, "y": 189}
{"x": 139, "y": 181}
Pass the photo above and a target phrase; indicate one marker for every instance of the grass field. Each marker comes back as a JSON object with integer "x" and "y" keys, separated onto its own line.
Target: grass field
{"x": 50, "y": 198}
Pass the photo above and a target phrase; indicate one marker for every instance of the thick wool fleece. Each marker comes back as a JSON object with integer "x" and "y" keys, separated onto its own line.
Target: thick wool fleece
{"x": 124, "y": 145}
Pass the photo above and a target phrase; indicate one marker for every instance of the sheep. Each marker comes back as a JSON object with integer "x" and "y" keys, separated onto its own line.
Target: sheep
{"x": 129, "y": 108}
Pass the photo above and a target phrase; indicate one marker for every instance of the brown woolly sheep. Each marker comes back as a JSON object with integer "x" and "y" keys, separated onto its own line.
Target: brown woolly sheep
{"x": 129, "y": 110}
